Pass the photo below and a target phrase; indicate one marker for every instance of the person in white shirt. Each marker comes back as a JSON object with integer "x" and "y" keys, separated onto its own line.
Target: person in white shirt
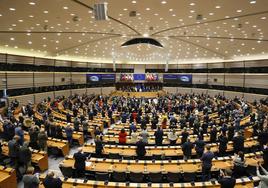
{"x": 173, "y": 137}
{"x": 134, "y": 137}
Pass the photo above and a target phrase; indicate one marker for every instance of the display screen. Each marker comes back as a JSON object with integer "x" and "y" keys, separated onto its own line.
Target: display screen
{"x": 93, "y": 78}
{"x": 126, "y": 77}
{"x": 108, "y": 78}
{"x": 100, "y": 78}
{"x": 139, "y": 76}
{"x": 151, "y": 77}
{"x": 178, "y": 78}
{"x": 170, "y": 78}
{"x": 185, "y": 79}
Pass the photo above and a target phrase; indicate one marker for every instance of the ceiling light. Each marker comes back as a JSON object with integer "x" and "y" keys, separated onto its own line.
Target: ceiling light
{"x": 12, "y": 38}
{"x": 12, "y": 9}
{"x": 239, "y": 11}
{"x": 218, "y": 6}
{"x": 20, "y": 20}
{"x": 192, "y": 4}
{"x": 147, "y": 8}
{"x": 163, "y": 2}
{"x": 30, "y": 42}
{"x": 45, "y": 11}
{"x": 263, "y": 18}
{"x": 252, "y": 2}
{"x": 65, "y": 8}
{"x": 1, "y": 15}
{"x": 134, "y": 2}
{"x": 31, "y": 16}
{"x": 32, "y": 3}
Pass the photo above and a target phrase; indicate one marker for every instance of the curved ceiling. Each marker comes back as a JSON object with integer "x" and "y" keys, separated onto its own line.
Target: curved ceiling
{"x": 189, "y": 30}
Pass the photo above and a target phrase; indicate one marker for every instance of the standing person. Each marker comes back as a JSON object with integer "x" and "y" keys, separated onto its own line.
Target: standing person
{"x": 76, "y": 124}
{"x": 223, "y": 141}
{"x": 25, "y": 156}
{"x": 231, "y": 132}
{"x": 172, "y": 136}
{"x": 239, "y": 165}
{"x": 213, "y": 134}
{"x": 226, "y": 180}
{"x": 20, "y": 133}
{"x": 51, "y": 181}
{"x": 42, "y": 140}
{"x": 158, "y": 136}
{"x": 59, "y": 132}
{"x": 30, "y": 180}
{"x": 140, "y": 150}
{"x": 13, "y": 150}
{"x": 238, "y": 142}
{"x": 144, "y": 135}
{"x": 207, "y": 164}
{"x": 184, "y": 135}
{"x": 122, "y": 137}
{"x": 134, "y": 137}
{"x": 33, "y": 133}
{"x": 80, "y": 163}
{"x": 263, "y": 178}
{"x": 199, "y": 146}
{"x": 85, "y": 128}
{"x": 69, "y": 134}
{"x": 187, "y": 149}
{"x": 98, "y": 146}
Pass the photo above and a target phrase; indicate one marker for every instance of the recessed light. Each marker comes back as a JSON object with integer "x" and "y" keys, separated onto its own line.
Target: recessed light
{"x": 148, "y": 9}
{"x": 12, "y": 9}
{"x": 30, "y": 42}
{"x": 125, "y": 9}
{"x": 31, "y": 16}
{"x": 1, "y": 15}
{"x": 31, "y": 3}
{"x": 12, "y": 38}
{"x": 239, "y": 11}
{"x": 134, "y": 2}
{"x": 163, "y": 2}
{"x": 192, "y": 4}
{"x": 20, "y": 20}
{"x": 65, "y": 8}
{"x": 218, "y": 6}
{"x": 45, "y": 11}
{"x": 252, "y": 2}
{"x": 263, "y": 18}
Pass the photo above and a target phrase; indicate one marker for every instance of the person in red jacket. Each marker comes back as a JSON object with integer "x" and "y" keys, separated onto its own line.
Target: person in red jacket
{"x": 122, "y": 136}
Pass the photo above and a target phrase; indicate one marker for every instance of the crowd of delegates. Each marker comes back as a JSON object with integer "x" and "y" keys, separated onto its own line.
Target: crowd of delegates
{"x": 136, "y": 111}
{"x": 139, "y": 88}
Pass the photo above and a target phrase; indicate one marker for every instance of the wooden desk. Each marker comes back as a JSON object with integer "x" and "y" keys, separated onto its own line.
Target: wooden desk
{"x": 76, "y": 183}
{"x": 8, "y": 178}
{"x": 39, "y": 158}
{"x": 163, "y": 166}
{"x": 62, "y": 145}
{"x": 167, "y": 151}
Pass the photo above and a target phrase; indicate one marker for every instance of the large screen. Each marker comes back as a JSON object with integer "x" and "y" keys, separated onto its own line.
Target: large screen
{"x": 100, "y": 78}
{"x": 151, "y": 77}
{"x": 139, "y": 76}
{"x": 93, "y": 78}
{"x": 185, "y": 79}
{"x": 178, "y": 78}
{"x": 170, "y": 78}
{"x": 108, "y": 78}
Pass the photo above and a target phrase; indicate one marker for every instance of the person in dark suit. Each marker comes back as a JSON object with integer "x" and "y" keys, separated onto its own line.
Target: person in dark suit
{"x": 140, "y": 150}
{"x": 199, "y": 146}
{"x": 13, "y": 150}
{"x": 187, "y": 149}
{"x": 231, "y": 132}
{"x": 158, "y": 136}
{"x": 184, "y": 135}
{"x": 225, "y": 179}
{"x": 213, "y": 134}
{"x": 223, "y": 141}
{"x": 68, "y": 118}
{"x": 51, "y": 181}
{"x": 80, "y": 163}
{"x": 207, "y": 163}
{"x": 98, "y": 146}
{"x": 25, "y": 156}
{"x": 238, "y": 142}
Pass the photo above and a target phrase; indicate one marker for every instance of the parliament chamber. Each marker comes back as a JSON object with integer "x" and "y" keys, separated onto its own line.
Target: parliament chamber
{"x": 133, "y": 93}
